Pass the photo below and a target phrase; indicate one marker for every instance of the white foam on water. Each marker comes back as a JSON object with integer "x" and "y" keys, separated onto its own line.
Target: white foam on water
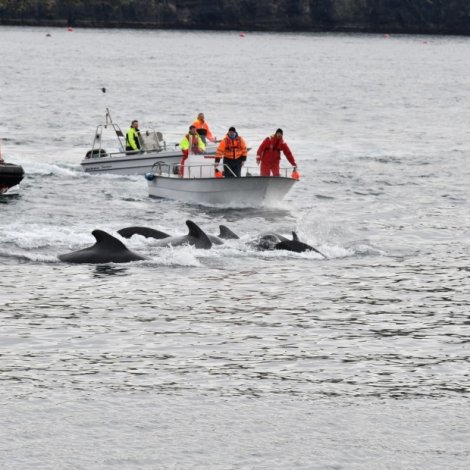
{"x": 174, "y": 256}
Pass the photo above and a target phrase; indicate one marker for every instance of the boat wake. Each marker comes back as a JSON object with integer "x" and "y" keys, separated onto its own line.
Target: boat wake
{"x": 28, "y": 256}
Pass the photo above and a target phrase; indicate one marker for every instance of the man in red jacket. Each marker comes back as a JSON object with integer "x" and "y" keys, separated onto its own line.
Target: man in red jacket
{"x": 269, "y": 154}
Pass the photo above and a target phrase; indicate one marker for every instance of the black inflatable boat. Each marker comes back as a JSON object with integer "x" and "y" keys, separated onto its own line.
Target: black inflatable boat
{"x": 10, "y": 175}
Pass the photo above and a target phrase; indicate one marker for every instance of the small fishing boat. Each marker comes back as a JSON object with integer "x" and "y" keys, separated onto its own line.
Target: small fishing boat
{"x": 204, "y": 184}
{"x": 153, "y": 148}
{"x": 10, "y": 176}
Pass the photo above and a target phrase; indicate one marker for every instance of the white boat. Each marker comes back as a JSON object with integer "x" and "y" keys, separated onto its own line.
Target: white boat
{"x": 119, "y": 162}
{"x": 199, "y": 185}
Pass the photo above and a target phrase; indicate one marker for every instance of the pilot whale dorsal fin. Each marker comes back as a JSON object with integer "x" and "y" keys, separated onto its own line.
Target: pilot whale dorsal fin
{"x": 227, "y": 234}
{"x": 200, "y": 238}
{"x": 294, "y": 236}
{"x": 194, "y": 229}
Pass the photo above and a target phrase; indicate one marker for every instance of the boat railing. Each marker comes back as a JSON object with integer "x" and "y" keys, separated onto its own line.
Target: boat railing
{"x": 248, "y": 171}
{"x": 211, "y": 170}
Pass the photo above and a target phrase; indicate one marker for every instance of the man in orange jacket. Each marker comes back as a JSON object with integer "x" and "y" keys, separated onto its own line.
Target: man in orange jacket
{"x": 203, "y": 128}
{"x": 233, "y": 149}
{"x": 269, "y": 154}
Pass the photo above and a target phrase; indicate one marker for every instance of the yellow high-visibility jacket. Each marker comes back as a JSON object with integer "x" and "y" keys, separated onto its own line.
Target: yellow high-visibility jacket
{"x": 192, "y": 144}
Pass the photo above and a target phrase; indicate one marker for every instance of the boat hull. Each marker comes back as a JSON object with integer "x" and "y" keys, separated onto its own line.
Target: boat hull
{"x": 248, "y": 191}
{"x": 134, "y": 164}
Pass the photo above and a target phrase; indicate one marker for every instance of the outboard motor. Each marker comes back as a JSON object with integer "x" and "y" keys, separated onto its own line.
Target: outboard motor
{"x": 10, "y": 175}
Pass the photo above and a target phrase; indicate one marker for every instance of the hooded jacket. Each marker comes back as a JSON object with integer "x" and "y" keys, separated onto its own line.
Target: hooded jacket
{"x": 271, "y": 148}
{"x": 232, "y": 148}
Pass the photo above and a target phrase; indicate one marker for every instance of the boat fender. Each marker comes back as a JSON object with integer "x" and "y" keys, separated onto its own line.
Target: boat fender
{"x": 150, "y": 176}
{"x": 295, "y": 174}
{"x": 10, "y": 175}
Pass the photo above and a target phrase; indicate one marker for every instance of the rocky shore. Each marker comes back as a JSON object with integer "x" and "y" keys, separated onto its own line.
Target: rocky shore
{"x": 379, "y": 16}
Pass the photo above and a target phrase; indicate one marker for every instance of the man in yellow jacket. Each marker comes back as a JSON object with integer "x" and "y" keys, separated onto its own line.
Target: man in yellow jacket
{"x": 203, "y": 128}
{"x": 190, "y": 143}
{"x": 132, "y": 137}
{"x": 233, "y": 149}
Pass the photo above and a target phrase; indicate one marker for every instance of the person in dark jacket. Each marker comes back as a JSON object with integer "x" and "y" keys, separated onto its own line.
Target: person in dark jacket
{"x": 268, "y": 155}
{"x": 203, "y": 128}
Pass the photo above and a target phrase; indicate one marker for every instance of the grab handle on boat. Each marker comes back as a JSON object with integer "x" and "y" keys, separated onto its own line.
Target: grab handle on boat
{"x": 157, "y": 167}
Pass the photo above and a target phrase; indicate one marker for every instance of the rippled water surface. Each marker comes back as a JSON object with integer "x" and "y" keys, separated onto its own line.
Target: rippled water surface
{"x": 235, "y": 358}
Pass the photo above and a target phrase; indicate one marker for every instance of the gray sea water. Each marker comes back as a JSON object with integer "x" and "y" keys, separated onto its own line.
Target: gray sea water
{"x": 234, "y": 358}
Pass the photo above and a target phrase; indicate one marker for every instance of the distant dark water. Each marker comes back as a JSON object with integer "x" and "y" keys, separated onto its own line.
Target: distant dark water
{"x": 235, "y": 358}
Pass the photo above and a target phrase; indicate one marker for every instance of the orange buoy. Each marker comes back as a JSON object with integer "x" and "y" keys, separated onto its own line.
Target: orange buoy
{"x": 295, "y": 174}
{"x": 242, "y": 34}
{"x": 70, "y": 29}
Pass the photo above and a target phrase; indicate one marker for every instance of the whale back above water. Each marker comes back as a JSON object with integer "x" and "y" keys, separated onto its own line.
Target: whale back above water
{"x": 226, "y": 234}
{"x": 268, "y": 241}
{"x": 107, "y": 249}
{"x": 195, "y": 237}
{"x": 275, "y": 241}
{"x": 144, "y": 231}
{"x": 295, "y": 245}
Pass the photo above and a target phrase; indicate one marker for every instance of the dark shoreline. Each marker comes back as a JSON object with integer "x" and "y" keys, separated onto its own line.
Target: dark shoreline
{"x": 89, "y": 24}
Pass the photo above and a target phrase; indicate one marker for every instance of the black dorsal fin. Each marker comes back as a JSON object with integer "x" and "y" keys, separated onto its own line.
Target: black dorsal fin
{"x": 202, "y": 240}
{"x": 227, "y": 234}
